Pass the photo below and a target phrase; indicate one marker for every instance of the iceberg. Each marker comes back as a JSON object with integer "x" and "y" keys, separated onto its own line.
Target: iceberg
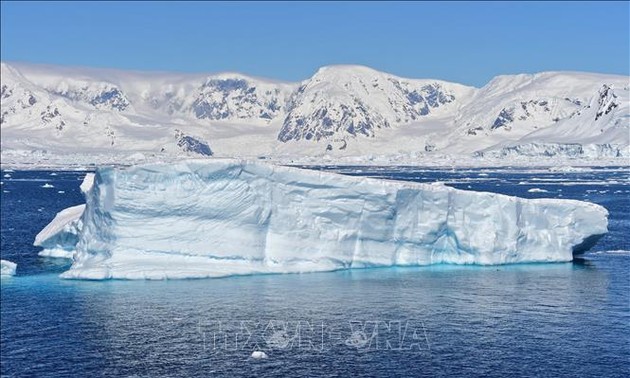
{"x": 222, "y": 217}
{"x": 7, "y": 268}
{"x": 59, "y": 238}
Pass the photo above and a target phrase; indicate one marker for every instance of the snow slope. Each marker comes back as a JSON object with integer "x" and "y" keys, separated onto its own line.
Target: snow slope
{"x": 213, "y": 218}
{"x": 599, "y": 128}
{"x": 95, "y": 116}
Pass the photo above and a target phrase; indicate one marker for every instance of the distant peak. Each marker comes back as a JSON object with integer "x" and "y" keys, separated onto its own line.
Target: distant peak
{"x": 346, "y": 68}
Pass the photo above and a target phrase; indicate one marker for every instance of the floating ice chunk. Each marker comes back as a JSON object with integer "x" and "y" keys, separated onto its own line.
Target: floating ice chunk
{"x": 213, "y": 218}
{"x": 537, "y": 190}
{"x": 257, "y": 354}
{"x": 47, "y": 185}
{"x": 59, "y": 238}
{"x": 7, "y": 268}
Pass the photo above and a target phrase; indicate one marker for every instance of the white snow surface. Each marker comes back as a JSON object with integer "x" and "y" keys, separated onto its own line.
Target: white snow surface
{"x": 222, "y": 217}
{"x": 68, "y": 116}
{"x": 7, "y": 268}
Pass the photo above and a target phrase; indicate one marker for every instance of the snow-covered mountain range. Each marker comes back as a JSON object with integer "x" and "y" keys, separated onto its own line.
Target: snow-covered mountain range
{"x": 342, "y": 113}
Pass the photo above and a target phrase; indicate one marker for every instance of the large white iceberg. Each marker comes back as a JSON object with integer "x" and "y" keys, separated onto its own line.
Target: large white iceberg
{"x": 213, "y": 218}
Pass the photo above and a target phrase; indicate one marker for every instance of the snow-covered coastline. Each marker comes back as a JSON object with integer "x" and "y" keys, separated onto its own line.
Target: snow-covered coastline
{"x": 349, "y": 115}
{"x": 23, "y": 160}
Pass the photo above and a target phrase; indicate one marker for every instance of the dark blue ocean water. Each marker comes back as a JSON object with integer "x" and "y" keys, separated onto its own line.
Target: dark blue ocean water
{"x": 565, "y": 319}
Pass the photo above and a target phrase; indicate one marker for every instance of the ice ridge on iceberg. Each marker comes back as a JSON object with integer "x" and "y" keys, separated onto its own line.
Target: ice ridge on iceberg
{"x": 60, "y": 237}
{"x": 213, "y": 218}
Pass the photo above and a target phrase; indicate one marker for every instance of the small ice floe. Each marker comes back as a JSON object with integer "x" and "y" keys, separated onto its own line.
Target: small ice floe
{"x": 53, "y": 174}
{"x": 60, "y": 191}
{"x": 47, "y": 185}
{"x": 7, "y": 175}
{"x": 258, "y": 354}
{"x": 7, "y": 268}
{"x": 537, "y": 190}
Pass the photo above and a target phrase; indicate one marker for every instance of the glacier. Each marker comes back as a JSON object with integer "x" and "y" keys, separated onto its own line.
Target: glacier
{"x": 223, "y": 217}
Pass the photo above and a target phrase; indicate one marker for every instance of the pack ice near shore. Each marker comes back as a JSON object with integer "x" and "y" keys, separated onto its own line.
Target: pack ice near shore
{"x": 216, "y": 218}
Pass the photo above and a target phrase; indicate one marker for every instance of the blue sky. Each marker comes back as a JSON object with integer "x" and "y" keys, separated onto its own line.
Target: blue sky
{"x": 467, "y": 42}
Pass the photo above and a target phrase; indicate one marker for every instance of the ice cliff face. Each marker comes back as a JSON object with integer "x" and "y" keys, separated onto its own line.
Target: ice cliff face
{"x": 226, "y": 217}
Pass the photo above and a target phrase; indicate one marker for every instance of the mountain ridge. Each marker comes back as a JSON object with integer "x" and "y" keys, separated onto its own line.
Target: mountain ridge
{"x": 341, "y": 110}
